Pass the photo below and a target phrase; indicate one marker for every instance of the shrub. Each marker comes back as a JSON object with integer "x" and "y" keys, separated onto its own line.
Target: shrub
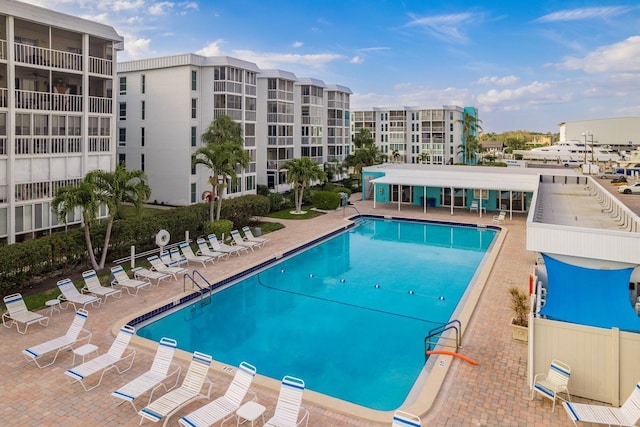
{"x": 219, "y": 228}
{"x": 326, "y": 200}
{"x": 262, "y": 190}
{"x": 342, "y": 190}
{"x": 276, "y": 201}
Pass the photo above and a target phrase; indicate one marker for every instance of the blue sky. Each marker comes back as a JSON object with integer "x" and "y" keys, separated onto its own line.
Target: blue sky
{"x": 524, "y": 65}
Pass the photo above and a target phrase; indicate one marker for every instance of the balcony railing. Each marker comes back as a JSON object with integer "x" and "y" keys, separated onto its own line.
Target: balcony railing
{"x": 100, "y": 66}
{"x": 3, "y": 49}
{"x": 99, "y": 143}
{"x": 29, "y": 145}
{"x": 30, "y": 100}
{"x": 3, "y": 98}
{"x": 250, "y": 116}
{"x": 100, "y": 105}
{"x": 3, "y": 146}
{"x": 66, "y": 60}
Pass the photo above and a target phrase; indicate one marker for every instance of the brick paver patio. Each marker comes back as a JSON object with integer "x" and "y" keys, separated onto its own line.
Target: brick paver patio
{"x": 494, "y": 393}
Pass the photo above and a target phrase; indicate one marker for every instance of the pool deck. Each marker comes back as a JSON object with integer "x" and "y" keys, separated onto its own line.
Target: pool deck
{"x": 494, "y": 393}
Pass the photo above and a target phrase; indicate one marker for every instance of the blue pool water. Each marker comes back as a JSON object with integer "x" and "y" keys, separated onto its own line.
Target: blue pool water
{"x": 348, "y": 315}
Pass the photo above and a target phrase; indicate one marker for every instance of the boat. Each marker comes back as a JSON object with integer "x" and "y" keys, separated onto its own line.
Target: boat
{"x": 570, "y": 150}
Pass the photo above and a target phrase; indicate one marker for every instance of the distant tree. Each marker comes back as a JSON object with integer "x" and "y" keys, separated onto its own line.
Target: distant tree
{"x": 423, "y": 157}
{"x": 223, "y": 153}
{"x": 300, "y": 174}
{"x": 395, "y": 155}
{"x": 470, "y": 145}
{"x": 363, "y": 139}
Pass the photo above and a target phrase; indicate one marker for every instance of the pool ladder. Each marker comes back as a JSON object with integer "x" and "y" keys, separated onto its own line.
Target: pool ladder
{"x": 436, "y": 337}
{"x": 204, "y": 300}
{"x": 358, "y": 220}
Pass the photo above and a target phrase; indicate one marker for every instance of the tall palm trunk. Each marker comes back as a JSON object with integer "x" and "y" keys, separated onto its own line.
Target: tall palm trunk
{"x": 87, "y": 239}
{"x": 107, "y": 239}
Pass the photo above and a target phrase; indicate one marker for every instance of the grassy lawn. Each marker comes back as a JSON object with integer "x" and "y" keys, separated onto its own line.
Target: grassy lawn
{"x": 286, "y": 214}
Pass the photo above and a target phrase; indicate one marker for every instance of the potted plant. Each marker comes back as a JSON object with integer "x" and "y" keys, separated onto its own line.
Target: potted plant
{"x": 520, "y": 307}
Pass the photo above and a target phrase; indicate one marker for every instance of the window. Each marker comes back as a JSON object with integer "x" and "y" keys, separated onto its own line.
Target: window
{"x": 142, "y": 106}
{"x": 193, "y": 165}
{"x": 142, "y": 83}
{"x": 450, "y": 138}
{"x": 451, "y": 127}
{"x": 122, "y": 159}
{"x": 123, "y": 85}
{"x": 122, "y": 137}
{"x": 123, "y": 111}
{"x": 23, "y": 124}
{"x": 142, "y": 162}
{"x": 193, "y": 192}
{"x": 194, "y": 79}
{"x": 142, "y": 137}
{"x": 194, "y": 139}
{"x": 194, "y": 106}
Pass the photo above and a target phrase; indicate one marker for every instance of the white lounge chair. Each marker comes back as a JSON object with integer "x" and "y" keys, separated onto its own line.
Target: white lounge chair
{"x": 71, "y": 295}
{"x": 17, "y": 313}
{"x": 553, "y": 382}
{"x": 627, "y": 415}
{"x": 92, "y": 285}
{"x": 288, "y": 406}
{"x": 67, "y": 341}
{"x": 187, "y": 252}
{"x": 120, "y": 278}
{"x": 154, "y": 378}
{"x": 176, "y": 258}
{"x": 224, "y": 406}
{"x": 146, "y": 274}
{"x": 190, "y": 390}
{"x": 160, "y": 267}
{"x": 405, "y": 419}
{"x": 221, "y": 247}
{"x": 204, "y": 249}
{"x": 105, "y": 362}
{"x": 499, "y": 219}
{"x": 248, "y": 234}
{"x": 237, "y": 240}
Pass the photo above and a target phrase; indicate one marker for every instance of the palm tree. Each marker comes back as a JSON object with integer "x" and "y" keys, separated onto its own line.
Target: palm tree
{"x": 86, "y": 196}
{"x": 363, "y": 139}
{"x": 395, "y": 155}
{"x": 423, "y": 157}
{"x": 223, "y": 154}
{"x": 98, "y": 188}
{"x": 363, "y": 157}
{"x": 300, "y": 173}
{"x": 120, "y": 186}
{"x": 470, "y": 129}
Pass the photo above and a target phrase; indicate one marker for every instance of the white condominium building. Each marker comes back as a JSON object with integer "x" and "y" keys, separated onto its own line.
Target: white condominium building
{"x": 413, "y": 134}
{"x": 56, "y": 111}
{"x": 166, "y": 104}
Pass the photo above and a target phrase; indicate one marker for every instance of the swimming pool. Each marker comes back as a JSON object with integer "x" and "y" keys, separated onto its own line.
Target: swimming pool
{"x": 348, "y": 315}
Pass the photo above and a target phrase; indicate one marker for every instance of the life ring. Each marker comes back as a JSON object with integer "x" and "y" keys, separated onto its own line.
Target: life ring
{"x": 162, "y": 238}
{"x": 207, "y": 196}
{"x": 380, "y": 190}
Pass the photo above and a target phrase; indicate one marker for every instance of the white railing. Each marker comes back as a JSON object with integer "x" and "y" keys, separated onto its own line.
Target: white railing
{"x": 99, "y": 104}
{"x": 66, "y": 60}
{"x": 100, "y": 66}
{"x": 31, "y": 100}
{"x": 99, "y": 143}
{"x": 336, "y": 122}
{"x": 4, "y": 103}
{"x": 250, "y": 116}
{"x": 3, "y": 146}
{"x": 33, "y": 55}
{"x": 250, "y": 90}
{"x": 3, "y": 49}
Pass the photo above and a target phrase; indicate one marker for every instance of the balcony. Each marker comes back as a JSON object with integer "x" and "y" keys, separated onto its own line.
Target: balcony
{"x": 32, "y": 100}
{"x": 46, "y": 145}
{"x": 99, "y": 143}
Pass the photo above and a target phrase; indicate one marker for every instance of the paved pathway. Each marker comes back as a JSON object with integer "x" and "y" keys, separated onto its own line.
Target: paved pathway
{"x": 494, "y": 393}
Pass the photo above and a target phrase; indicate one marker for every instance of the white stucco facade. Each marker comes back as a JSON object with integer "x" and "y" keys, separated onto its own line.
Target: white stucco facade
{"x": 621, "y": 133}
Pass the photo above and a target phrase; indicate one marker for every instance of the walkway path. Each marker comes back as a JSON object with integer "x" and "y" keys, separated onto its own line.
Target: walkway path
{"x": 494, "y": 393}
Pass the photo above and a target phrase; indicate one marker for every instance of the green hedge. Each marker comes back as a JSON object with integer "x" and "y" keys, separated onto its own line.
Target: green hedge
{"x": 61, "y": 251}
{"x": 326, "y": 200}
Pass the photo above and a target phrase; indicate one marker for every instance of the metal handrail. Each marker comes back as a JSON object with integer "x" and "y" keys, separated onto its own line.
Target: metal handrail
{"x": 438, "y": 331}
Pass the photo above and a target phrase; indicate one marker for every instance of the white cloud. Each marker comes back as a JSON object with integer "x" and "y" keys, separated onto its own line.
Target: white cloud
{"x": 297, "y": 44}
{"x": 619, "y": 57}
{"x": 134, "y": 20}
{"x": 120, "y": 5}
{"x": 161, "y": 8}
{"x": 136, "y": 48}
{"x": 535, "y": 92}
{"x": 356, "y": 60}
{"x": 444, "y": 27}
{"x": 277, "y": 60}
{"x": 212, "y": 49}
{"x": 583, "y": 13}
{"x": 498, "y": 81}
{"x": 102, "y": 18}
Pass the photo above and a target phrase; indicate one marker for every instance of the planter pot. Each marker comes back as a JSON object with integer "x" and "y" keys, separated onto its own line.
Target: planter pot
{"x": 519, "y": 333}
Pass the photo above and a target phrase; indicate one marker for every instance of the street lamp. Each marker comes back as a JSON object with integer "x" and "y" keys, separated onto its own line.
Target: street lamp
{"x": 585, "y": 134}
